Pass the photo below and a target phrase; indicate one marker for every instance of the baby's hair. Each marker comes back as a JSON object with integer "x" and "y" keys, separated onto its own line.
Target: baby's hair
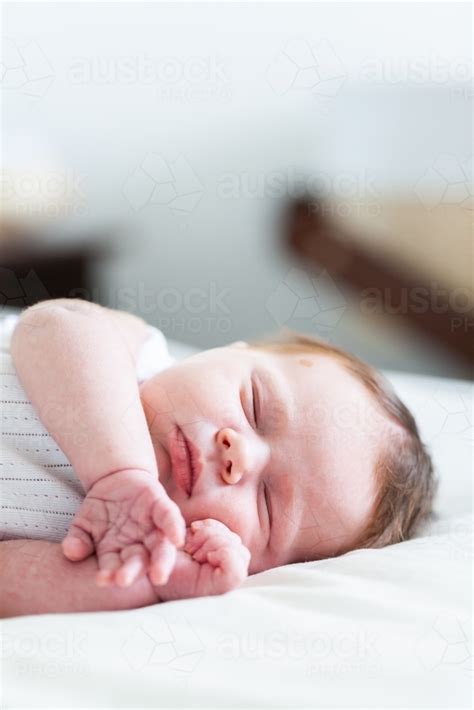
{"x": 405, "y": 481}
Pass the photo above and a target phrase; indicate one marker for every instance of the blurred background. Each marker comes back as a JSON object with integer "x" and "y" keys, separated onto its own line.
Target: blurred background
{"x": 224, "y": 170}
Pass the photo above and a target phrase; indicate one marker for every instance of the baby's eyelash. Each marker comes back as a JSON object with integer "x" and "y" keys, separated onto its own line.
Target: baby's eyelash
{"x": 254, "y": 408}
{"x": 254, "y": 405}
{"x": 268, "y": 503}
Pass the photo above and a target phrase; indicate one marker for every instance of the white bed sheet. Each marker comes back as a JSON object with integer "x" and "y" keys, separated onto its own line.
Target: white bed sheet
{"x": 374, "y": 628}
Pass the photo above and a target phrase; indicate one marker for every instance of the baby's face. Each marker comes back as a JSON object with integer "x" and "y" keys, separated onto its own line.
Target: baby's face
{"x": 284, "y": 448}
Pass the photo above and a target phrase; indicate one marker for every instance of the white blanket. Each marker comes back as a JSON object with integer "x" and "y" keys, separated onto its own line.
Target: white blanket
{"x": 373, "y": 628}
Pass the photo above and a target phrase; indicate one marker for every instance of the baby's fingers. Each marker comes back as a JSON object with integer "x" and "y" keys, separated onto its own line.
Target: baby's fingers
{"x": 163, "y": 558}
{"x": 230, "y": 567}
{"x": 168, "y": 518}
{"x": 77, "y": 545}
{"x": 109, "y": 563}
{"x": 135, "y": 565}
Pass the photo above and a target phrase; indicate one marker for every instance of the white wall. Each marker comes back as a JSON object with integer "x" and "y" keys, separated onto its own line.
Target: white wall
{"x": 111, "y": 89}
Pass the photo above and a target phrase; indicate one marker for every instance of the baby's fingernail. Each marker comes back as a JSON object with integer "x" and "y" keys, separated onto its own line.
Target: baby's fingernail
{"x": 197, "y": 524}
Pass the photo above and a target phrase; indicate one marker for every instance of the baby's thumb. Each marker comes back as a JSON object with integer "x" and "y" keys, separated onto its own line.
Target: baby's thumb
{"x": 77, "y": 545}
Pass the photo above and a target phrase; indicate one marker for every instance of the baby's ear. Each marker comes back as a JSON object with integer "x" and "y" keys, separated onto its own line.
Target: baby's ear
{"x": 239, "y": 344}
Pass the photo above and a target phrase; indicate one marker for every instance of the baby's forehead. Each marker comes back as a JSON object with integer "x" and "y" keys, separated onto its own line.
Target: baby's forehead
{"x": 326, "y": 395}
{"x": 308, "y": 369}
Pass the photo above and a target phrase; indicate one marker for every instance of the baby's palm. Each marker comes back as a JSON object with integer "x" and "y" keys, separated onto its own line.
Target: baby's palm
{"x": 128, "y": 519}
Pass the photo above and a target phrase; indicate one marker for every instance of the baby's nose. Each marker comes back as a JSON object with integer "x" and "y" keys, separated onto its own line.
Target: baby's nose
{"x": 234, "y": 461}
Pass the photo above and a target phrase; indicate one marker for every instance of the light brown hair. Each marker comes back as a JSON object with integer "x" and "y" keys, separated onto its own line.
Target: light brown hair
{"x": 405, "y": 481}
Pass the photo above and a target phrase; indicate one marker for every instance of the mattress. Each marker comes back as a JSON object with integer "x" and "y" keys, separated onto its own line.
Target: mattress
{"x": 389, "y": 628}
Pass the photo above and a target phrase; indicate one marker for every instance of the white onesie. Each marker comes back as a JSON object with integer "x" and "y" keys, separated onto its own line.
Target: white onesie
{"x": 39, "y": 492}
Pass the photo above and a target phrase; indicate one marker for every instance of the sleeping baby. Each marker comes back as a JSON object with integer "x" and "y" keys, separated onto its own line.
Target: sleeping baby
{"x": 181, "y": 480}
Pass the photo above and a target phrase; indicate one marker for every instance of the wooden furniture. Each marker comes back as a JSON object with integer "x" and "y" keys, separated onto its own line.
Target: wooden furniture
{"x": 32, "y": 271}
{"x": 443, "y": 313}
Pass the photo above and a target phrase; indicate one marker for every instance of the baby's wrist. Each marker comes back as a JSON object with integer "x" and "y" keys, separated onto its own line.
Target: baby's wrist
{"x": 122, "y": 474}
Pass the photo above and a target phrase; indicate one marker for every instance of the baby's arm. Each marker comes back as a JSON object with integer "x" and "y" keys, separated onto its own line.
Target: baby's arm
{"x": 38, "y": 579}
{"x": 79, "y": 372}
{"x": 76, "y": 362}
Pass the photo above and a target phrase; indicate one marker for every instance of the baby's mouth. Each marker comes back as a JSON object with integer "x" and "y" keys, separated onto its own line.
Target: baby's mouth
{"x": 185, "y": 464}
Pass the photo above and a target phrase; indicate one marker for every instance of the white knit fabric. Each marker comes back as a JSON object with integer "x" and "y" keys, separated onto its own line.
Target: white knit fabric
{"x": 39, "y": 492}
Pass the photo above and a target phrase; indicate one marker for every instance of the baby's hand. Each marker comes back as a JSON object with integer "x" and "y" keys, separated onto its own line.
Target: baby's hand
{"x": 213, "y": 561}
{"x": 132, "y": 525}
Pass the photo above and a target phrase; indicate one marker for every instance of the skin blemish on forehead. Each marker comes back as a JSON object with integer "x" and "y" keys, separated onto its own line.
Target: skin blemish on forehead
{"x": 306, "y": 363}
